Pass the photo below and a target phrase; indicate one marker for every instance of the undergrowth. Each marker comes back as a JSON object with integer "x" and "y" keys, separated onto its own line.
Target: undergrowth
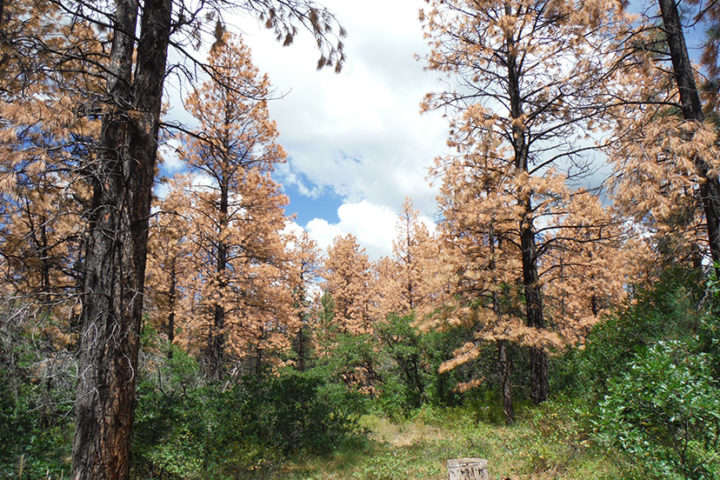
{"x": 547, "y": 442}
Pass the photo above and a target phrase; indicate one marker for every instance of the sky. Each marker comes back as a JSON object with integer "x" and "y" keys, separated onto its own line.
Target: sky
{"x": 357, "y": 144}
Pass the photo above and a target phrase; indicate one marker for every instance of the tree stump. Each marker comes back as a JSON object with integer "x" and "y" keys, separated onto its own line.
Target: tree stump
{"x": 467, "y": 469}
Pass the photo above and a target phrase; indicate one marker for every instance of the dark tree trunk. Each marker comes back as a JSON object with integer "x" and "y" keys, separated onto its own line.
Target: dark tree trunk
{"x": 258, "y": 363}
{"x": 301, "y": 346}
{"x": 692, "y": 110}
{"x": 217, "y": 339}
{"x": 114, "y": 274}
{"x": 504, "y": 364}
{"x": 217, "y": 344}
{"x": 533, "y": 310}
{"x": 45, "y": 260}
{"x": 531, "y": 283}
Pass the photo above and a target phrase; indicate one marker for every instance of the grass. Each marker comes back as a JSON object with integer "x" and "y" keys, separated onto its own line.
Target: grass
{"x": 545, "y": 443}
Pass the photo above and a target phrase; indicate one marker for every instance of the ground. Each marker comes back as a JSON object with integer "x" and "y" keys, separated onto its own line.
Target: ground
{"x": 545, "y": 443}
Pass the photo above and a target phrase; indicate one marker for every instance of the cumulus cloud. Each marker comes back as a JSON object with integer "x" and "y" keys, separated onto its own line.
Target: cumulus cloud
{"x": 375, "y": 227}
{"x": 170, "y": 159}
{"x": 372, "y": 224}
{"x": 358, "y": 134}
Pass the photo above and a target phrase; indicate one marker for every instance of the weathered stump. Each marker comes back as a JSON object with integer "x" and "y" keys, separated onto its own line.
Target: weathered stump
{"x": 468, "y": 469}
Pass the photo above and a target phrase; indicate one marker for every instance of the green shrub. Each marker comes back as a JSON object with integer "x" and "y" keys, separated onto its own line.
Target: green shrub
{"x": 298, "y": 411}
{"x": 674, "y": 309}
{"x": 665, "y": 412}
{"x": 187, "y": 429}
{"x": 37, "y": 380}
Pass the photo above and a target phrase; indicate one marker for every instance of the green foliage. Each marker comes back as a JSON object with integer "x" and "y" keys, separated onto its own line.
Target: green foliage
{"x": 36, "y": 396}
{"x": 665, "y": 412}
{"x": 407, "y": 376}
{"x": 298, "y": 411}
{"x": 439, "y": 346}
{"x": 187, "y": 429}
{"x": 653, "y": 370}
{"x": 671, "y": 310}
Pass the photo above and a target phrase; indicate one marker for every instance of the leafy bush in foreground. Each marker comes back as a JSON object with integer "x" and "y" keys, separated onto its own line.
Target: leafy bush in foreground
{"x": 665, "y": 412}
{"x": 186, "y": 429}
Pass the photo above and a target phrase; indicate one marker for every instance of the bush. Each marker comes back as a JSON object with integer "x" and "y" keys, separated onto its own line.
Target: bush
{"x": 298, "y": 411}
{"x": 37, "y": 380}
{"x": 665, "y": 412}
{"x": 187, "y": 429}
{"x": 672, "y": 310}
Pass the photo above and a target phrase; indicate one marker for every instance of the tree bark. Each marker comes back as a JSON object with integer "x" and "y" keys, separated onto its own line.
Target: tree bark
{"x": 533, "y": 310}
{"x": 531, "y": 280}
{"x": 123, "y": 175}
{"x": 692, "y": 110}
{"x": 504, "y": 365}
{"x": 301, "y": 346}
{"x": 217, "y": 340}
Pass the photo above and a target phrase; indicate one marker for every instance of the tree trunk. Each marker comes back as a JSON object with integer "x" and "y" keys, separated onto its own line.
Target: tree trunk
{"x": 217, "y": 344}
{"x": 692, "y": 110}
{"x": 171, "y": 303}
{"x": 217, "y": 340}
{"x": 533, "y": 309}
{"x": 123, "y": 175}
{"x": 503, "y": 361}
{"x": 531, "y": 284}
{"x": 301, "y": 348}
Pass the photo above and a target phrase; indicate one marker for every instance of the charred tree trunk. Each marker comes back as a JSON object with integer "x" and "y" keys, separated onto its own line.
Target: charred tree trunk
{"x": 692, "y": 110}
{"x": 114, "y": 273}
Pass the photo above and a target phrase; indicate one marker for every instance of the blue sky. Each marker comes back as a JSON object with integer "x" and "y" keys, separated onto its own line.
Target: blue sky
{"x": 305, "y": 207}
{"x": 356, "y": 142}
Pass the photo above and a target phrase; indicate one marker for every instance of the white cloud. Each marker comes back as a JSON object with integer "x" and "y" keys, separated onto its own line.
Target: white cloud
{"x": 161, "y": 190}
{"x": 358, "y": 133}
{"x": 170, "y": 159}
{"x": 375, "y": 227}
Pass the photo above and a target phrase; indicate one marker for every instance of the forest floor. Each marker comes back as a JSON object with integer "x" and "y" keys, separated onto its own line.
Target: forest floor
{"x": 544, "y": 443}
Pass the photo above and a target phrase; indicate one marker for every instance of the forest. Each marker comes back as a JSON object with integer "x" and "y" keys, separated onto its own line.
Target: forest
{"x": 561, "y": 326}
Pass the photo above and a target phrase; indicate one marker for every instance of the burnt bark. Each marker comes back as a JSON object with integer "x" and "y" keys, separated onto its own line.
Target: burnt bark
{"x": 692, "y": 110}
{"x": 114, "y": 275}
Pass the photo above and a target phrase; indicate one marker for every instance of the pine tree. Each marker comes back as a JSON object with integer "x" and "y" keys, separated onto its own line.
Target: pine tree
{"x": 529, "y": 76}
{"x": 237, "y": 220}
{"x": 348, "y": 279}
{"x": 305, "y": 256}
